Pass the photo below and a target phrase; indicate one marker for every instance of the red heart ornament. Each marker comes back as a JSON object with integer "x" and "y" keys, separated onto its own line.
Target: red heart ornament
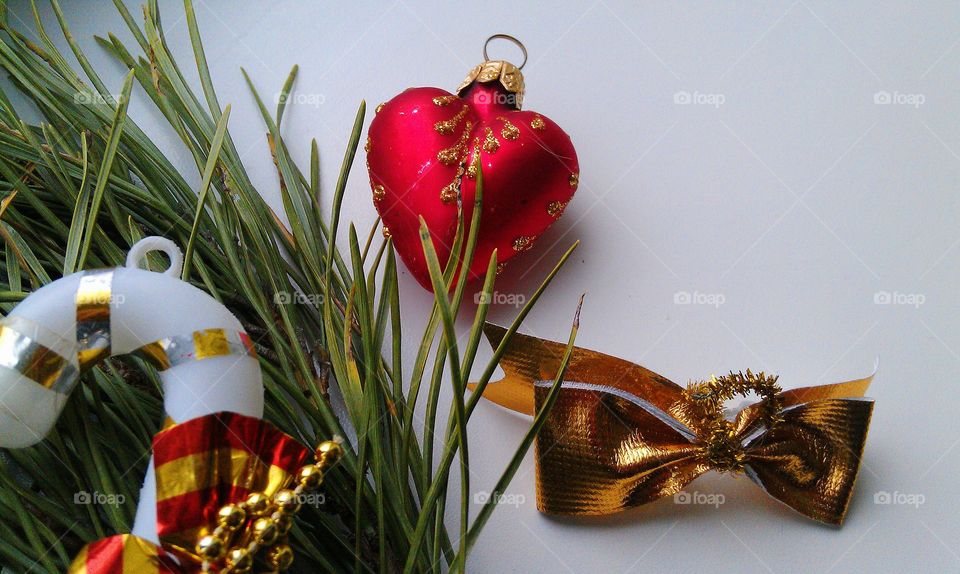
{"x": 424, "y": 148}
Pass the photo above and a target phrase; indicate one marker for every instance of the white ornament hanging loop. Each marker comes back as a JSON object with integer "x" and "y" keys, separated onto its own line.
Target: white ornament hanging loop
{"x": 146, "y": 245}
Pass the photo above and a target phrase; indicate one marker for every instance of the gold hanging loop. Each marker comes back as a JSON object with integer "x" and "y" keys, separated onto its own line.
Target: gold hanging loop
{"x": 509, "y": 38}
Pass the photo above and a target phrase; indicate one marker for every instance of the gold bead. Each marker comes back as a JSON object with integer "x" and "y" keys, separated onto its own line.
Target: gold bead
{"x": 280, "y": 557}
{"x": 284, "y": 524}
{"x": 211, "y": 548}
{"x": 310, "y": 476}
{"x": 231, "y": 517}
{"x": 328, "y": 453}
{"x": 258, "y": 504}
{"x": 240, "y": 560}
{"x": 287, "y": 501}
{"x": 265, "y": 530}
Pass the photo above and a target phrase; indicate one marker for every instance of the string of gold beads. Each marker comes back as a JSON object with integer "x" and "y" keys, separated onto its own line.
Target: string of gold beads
{"x": 268, "y": 520}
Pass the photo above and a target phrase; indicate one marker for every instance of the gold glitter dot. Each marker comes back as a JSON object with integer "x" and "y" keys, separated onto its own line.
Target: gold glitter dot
{"x": 449, "y": 193}
{"x": 380, "y": 107}
{"x": 509, "y": 131}
{"x": 378, "y": 193}
{"x": 447, "y": 156}
{"x": 366, "y": 146}
{"x": 386, "y": 231}
{"x": 501, "y": 267}
{"x": 555, "y": 208}
{"x": 537, "y": 123}
{"x": 451, "y": 155}
{"x": 446, "y": 127}
{"x": 490, "y": 143}
{"x": 574, "y": 179}
{"x": 523, "y": 243}
{"x": 474, "y": 160}
{"x": 444, "y": 100}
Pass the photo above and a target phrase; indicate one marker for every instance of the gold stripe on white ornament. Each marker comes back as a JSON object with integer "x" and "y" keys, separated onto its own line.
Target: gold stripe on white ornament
{"x": 205, "y": 344}
{"x": 93, "y": 317}
{"x": 35, "y": 361}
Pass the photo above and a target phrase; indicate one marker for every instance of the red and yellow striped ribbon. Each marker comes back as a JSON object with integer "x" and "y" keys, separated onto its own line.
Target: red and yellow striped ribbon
{"x": 200, "y": 466}
{"x": 210, "y": 461}
{"x": 124, "y": 554}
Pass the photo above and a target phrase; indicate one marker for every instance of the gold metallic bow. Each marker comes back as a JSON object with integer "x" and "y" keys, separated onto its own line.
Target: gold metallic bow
{"x": 620, "y": 435}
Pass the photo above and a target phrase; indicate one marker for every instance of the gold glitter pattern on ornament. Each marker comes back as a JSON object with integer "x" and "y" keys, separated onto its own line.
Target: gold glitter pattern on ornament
{"x": 501, "y": 267}
{"x": 574, "y": 179}
{"x": 537, "y": 123}
{"x": 509, "y": 131}
{"x": 523, "y": 243}
{"x": 474, "y": 160}
{"x": 490, "y": 143}
{"x": 446, "y": 127}
{"x": 555, "y": 208}
{"x": 379, "y": 107}
{"x": 366, "y": 146}
{"x": 445, "y": 100}
{"x": 386, "y": 231}
{"x": 378, "y": 193}
{"x": 449, "y": 193}
{"x": 451, "y": 155}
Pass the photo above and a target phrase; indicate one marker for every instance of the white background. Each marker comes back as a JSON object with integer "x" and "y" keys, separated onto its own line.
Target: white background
{"x": 794, "y": 203}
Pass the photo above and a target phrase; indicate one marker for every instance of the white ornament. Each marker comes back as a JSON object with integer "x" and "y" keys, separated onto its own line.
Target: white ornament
{"x": 207, "y": 364}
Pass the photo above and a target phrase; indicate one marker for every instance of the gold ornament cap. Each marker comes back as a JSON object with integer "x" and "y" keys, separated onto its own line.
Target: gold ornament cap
{"x": 507, "y": 74}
